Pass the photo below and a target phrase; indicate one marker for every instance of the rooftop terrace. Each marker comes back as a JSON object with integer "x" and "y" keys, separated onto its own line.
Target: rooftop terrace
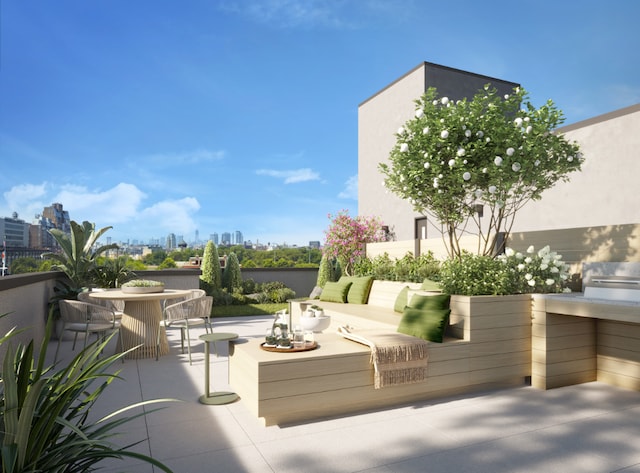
{"x": 591, "y": 427}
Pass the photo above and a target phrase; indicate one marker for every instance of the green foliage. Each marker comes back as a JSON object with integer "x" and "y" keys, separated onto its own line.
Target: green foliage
{"x": 408, "y": 268}
{"x": 78, "y": 257}
{"x": 168, "y": 263}
{"x": 511, "y": 273}
{"x": 249, "y": 263}
{"x": 274, "y": 292}
{"x": 25, "y": 264}
{"x": 232, "y": 277}
{"x": 44, "y": 412}
{"x": 475, "y": 275}
{"x": 247, "y": 309}
{"x": 329, "y": 270}
{"x": 210, "y": 266}
{"x": 112, "y": 272}
{"x": 184, "y": 254}
{"x": 154, "y": 258}
{"x": 497, "y": 152}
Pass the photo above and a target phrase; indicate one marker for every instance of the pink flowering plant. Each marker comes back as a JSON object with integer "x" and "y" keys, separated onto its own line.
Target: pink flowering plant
{"x": 492, "y": 152}
{"x": 346, "y": 237}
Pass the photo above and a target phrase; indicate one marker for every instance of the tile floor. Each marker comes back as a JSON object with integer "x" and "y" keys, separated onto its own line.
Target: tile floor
{"x": 587, "y": 428}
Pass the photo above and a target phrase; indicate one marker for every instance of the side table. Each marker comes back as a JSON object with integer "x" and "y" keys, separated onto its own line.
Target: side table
{"x": 216, "y": 397}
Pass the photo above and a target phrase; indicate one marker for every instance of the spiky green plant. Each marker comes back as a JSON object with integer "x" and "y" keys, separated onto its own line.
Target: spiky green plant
{"x": 44, "y": 411}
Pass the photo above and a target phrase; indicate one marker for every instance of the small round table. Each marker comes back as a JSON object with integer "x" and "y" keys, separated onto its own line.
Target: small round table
{"x": 216, "y": 397}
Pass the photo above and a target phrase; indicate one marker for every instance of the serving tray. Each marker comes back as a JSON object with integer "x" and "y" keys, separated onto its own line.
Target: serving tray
{"x": 307, "y": 347}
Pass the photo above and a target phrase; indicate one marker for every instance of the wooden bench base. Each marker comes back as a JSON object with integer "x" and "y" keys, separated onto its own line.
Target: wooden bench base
{"x": 337, "y": 378}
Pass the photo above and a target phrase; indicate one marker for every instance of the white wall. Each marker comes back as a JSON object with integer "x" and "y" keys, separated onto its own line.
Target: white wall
{"x": 606, "y": 191}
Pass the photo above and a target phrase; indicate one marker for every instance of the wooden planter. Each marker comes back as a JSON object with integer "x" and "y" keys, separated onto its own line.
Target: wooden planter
{"x": 499, "y": 329}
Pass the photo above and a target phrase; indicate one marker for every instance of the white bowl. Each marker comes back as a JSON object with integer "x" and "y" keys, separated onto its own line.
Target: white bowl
{"x": 316, "y": 324}
{"x": 141, "y": 289}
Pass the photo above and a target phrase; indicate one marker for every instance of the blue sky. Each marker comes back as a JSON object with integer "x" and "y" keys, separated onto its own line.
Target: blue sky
{"x": 158, "y": 116}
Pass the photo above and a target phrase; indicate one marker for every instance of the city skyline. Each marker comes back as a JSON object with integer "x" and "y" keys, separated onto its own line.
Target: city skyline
{"x": 220, "y": 115}
{"x": 54, "y": 216}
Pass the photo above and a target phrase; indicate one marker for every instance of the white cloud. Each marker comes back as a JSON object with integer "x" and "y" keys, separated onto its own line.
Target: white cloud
{"x": 290, "y": 13}
{"x": 350, "y": 190}
{"x": 292, "y": 176}
{"x": 116, "y": 205}
{"x": 172, "y": 216}
{"x": 25, "y": 199}
{"x": 197, "y": 156}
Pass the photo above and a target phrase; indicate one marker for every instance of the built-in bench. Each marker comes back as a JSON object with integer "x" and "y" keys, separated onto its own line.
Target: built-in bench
{"x": 489, "y": 349}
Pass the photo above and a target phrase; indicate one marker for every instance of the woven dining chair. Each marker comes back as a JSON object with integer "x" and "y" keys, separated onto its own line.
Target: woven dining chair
{"x": 117, "y": 306}
{"x": 184, "y": 315}
{"x": 83, "y": 317}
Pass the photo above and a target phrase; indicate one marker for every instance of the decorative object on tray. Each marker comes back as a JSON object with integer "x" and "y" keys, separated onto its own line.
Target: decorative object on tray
{"x": 279, "y": 336}
{"x": 142, "y": 286}
{"x": 397, "y": 358}
{"x": 314, "y": 319}
{"x": 306, "y": 347}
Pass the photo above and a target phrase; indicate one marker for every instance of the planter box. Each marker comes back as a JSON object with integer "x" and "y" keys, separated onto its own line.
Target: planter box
{"x": 499, "y": 329}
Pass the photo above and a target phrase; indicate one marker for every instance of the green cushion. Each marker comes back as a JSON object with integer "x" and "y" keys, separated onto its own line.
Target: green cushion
{"x": 402, "y": 300}
{"x": 335, "y": 291}
{"x": 429, "y": 301}
{"x": 429, "y": 324}
{"x": 429, "y": 285}
{"x": 359, "y": 290}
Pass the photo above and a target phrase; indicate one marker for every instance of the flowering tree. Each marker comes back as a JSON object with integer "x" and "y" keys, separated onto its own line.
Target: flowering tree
{"x": 346, "y": 238}
{"x": 495, "y": 152}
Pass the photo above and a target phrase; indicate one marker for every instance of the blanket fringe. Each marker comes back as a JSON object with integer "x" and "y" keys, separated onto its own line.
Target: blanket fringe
{"x": 396, "y": 358}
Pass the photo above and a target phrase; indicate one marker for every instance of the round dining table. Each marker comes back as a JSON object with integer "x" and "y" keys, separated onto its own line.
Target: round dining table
{"x": 141, "y": 320}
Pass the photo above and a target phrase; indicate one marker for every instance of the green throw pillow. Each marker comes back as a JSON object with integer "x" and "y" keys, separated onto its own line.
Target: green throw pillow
{"x": 430, "y": 301}
{"x": 335, "y": 291}
{"x": 359, "y": 290}
{"x": 428, "y": 324}
{"x": 429, "y": 285}
{"x": 402, "y": 300}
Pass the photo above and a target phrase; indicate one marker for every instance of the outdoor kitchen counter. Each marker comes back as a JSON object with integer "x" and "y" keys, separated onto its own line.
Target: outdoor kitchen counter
{"x": 577, "y": 339}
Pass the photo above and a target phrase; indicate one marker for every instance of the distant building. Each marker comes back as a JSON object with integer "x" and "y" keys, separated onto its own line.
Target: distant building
{"x": 238, "y": 238}
{"x": 226, "y": 238}
{"x": 214, "y": 238}
{"x": 14, "y": 231}
{"x": 171, "y": 242}
{"x": 58, "y": 216}
{"x": 314, "y": 244}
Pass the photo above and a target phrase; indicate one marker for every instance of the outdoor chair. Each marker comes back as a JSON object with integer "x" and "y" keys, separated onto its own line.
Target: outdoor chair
{"x": 186, "y": 314}
{"x": 86, "y": 318}
{"x": 117, "y": 306}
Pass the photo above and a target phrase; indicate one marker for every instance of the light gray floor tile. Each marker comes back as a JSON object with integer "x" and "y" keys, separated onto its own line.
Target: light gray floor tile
{"x": 587, "y": 428}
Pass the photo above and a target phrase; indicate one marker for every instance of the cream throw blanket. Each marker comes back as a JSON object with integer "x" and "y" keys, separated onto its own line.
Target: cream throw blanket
{"x": 397, "y": 358}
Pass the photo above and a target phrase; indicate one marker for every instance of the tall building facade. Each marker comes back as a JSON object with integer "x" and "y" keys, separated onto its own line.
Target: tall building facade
{"x": 14, "y": 231}
{"x": 171, "y": 242}
{"x": 58, "y": 217}
{"x": 238, "y": 238}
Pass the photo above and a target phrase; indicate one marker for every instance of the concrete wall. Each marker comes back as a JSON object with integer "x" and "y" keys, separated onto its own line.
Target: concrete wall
{"x": 25, "y": 298}
{"x": 379, "y": 118}
{"x": 605, "y": 192}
